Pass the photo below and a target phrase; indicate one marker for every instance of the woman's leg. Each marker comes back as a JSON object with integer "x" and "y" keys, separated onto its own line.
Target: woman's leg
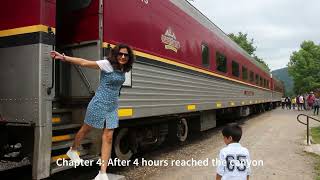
{"x": 84, "y": 130}
{"x": 106, "y": 148}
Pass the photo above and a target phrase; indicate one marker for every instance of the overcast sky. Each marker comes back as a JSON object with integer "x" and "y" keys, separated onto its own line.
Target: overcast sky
{"x": 277, "y": 26}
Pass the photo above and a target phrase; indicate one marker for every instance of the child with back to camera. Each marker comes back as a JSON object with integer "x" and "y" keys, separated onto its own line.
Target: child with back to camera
{"x": 234, "y": 159}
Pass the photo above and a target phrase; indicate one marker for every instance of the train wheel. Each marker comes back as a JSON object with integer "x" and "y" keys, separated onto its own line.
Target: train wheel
{"x": 182, "y": 130}
{"x": 122, "y": 145}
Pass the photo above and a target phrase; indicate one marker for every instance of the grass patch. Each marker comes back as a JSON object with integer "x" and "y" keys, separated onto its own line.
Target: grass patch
{"x": 315, "y": 133}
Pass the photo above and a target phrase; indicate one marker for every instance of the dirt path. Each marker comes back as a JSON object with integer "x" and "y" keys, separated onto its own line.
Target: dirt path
{"x": 274, "y": 137}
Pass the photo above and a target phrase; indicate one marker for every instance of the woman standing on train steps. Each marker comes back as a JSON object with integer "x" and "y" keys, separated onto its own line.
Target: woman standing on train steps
{"x": 102, "y": 111}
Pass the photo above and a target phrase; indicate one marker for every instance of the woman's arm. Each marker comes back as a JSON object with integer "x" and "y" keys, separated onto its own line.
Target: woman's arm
{"x": 74, "y": 60}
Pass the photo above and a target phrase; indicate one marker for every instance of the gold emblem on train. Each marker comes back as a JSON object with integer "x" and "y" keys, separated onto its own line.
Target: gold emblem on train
{"x": 170, "y": 40}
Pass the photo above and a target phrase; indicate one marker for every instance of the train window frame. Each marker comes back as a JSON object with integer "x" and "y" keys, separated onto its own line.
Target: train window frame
{"x": 221, "y": 67}
{"x": 251, "y": 76}
{"x": 205, "y": 60}
{"x": 244, "y": 72}
{"x": 235, "y": 68}
{"x": 257, "y": 78}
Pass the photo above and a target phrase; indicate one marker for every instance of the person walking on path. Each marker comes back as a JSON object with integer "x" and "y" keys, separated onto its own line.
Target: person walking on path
{"x": 310, "y": 100}
{"x": 304, "y": 102}
{"x": 298, "y": 102}
{"x": 301, "y": 102}
{"x": 316, "y": 106}
{"x": 293, "y": 102}
{"x": 102, "y": 111}
{"x": 288, "y": 103}
{"x": 283, "y": 102}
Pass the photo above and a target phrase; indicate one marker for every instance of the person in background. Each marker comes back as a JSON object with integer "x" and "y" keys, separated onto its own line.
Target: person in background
{"x": 283, "y": 102}
{"x": 316, "y": 106}
{"x": 304, "y": 102}
{"x": 301, "y": 102}
{"x": 293, "y": 102}
{"x": 288, "y": 103}
{"x": 298, "y": 102}
{"x": 310, "y": 100}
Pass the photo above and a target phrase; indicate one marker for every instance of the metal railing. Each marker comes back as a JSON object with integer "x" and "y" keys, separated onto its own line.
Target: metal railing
{"x": 307, "y": 124}
{"x": 84, "y": 79}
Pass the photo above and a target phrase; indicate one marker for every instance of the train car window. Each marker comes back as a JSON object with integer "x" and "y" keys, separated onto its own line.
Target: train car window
{"x": 264, "y": 83}
{"x": 205, "y": 55}
{"x": 261, "y": 81}
{"x": 244, "y": 73}
{"x": 251, "y": 76}
{"x": 257, "y": 79}
{"x": 235, "y": 69}
{"x": 267, "y": 83}
{"x": 221, "y": 62}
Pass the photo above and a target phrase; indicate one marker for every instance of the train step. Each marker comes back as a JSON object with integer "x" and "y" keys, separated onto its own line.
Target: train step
{"x": 61, "y": 118}
{"x": 61, "y": 110}
{"x": 66, "y": 126}
{"x": 67, "y": 144}
{"x": 82, "y": 152}
{"x": 60, "y": 138}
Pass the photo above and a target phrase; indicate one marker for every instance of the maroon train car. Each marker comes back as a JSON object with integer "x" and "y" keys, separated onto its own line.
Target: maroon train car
{"x": 188, "y": 73}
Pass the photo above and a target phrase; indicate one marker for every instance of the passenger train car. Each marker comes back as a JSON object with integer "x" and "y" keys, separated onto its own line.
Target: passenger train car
{"x": 187, "y": 74}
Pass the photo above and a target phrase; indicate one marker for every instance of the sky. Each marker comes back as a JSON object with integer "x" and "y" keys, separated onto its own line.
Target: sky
{"x": 278, "y": 27}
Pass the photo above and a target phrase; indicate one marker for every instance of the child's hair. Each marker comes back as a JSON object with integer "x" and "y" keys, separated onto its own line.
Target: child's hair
{"x": 233, "y": 130}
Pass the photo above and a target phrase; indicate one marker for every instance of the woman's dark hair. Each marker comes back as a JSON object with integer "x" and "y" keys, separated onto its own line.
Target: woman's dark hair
{"x": 233, "y": 130}
{"x": 114, "y": 54}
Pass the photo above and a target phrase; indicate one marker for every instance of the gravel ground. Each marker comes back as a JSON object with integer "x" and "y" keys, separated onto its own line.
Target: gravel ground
{"x": 274, "y": 137}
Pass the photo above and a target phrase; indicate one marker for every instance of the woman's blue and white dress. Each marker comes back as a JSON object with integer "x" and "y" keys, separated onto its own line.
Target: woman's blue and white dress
{"x": 102, "y": 111}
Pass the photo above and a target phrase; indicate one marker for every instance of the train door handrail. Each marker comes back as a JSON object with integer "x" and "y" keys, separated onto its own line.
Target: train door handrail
{"x": 52, "y": 36}
{"x": 84, "y": 79}
{"x": 307, "y": 124}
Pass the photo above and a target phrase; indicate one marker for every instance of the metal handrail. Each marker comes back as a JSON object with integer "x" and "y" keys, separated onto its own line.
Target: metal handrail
{"x": 307, "y": 124}
{"x": 53, "y": 76}
{"x": 84, "y": 79}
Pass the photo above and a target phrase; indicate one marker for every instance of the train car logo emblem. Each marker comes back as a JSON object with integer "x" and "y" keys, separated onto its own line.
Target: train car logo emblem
{"x": 170, "y": 40}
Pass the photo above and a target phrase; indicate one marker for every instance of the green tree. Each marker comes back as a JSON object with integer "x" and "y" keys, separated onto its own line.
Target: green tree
{"x": 247, "y": 44}
{"x": 304, "y": 67}
{"x": 261, "y": 62}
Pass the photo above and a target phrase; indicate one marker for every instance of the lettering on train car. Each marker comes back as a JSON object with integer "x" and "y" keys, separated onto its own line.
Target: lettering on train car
{"x": 248, "y": 93}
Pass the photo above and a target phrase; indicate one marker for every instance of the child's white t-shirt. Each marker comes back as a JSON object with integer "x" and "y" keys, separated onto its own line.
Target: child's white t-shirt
{"x": 105, "y": 65}
{"x": 230, "y": 166}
